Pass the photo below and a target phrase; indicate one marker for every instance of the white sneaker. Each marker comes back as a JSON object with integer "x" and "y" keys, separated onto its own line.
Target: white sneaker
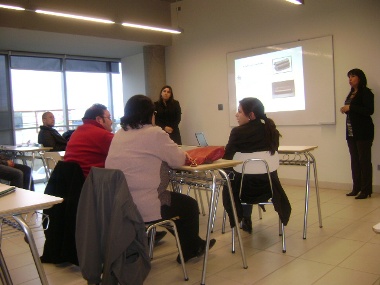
{"x": 376, "y": 228}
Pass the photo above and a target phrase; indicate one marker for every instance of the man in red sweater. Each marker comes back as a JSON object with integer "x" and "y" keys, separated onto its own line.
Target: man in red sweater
{"x": 89, "y": 144}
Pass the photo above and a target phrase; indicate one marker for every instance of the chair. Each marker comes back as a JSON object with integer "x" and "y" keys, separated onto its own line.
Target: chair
{"x": 258, "y": 163}
{"x": 66, "y": 181}
{"x": 110, "y": 229}
{"x": 50, "y": 160}
{"x": 170, "y": 226}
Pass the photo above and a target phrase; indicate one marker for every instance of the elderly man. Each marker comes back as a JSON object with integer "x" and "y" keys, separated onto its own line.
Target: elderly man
{"x": 89, "y": 144}
{"x": 48, "y": 136}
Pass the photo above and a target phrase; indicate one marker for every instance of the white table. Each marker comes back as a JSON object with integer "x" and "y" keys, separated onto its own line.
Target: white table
{"x": 212, "y": 169}
{"x": 14, "y": 205}
{"x": 20, "y": 152}
{"x": 301, "y": 156}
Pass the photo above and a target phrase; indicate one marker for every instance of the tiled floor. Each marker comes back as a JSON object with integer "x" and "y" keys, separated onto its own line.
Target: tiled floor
{"x": 345, "y": 251}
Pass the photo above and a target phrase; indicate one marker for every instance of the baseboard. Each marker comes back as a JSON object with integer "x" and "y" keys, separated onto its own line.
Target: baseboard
{"x": 324, "y": 184}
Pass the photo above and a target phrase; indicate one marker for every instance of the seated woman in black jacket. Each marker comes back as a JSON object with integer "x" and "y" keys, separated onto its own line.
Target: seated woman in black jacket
{"x": 255, "y": 133}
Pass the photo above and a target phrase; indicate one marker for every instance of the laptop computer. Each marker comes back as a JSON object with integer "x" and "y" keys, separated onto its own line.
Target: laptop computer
{"x": 201, "y": 139}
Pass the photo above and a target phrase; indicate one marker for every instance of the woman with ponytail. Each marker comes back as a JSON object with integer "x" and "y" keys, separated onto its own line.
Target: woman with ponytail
{"x": 255, "y": 133}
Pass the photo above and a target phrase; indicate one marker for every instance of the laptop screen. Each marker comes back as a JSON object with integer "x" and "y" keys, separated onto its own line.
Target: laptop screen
{"x": 201, "y": 139}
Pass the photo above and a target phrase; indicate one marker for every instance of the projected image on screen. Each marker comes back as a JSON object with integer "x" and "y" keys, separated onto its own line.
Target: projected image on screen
{"x": 294, "y": 80}
{"x": 275, "y": 78}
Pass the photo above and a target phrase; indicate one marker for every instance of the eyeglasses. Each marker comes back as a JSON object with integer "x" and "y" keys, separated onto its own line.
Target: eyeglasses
{"x": 109, "y": 118}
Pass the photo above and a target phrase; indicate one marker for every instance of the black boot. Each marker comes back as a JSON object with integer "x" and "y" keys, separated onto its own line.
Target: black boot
{"x": 247, "y": 224}
{"x": 363, "y": 195}
{"x": 352, "y": 193}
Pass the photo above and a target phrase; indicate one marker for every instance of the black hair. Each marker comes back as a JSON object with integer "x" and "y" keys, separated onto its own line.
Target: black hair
{"x": 171, "y": 91}
{"x": 137, "y": 112}
{"x": 94, "y": 111}
{"x": 362, "y": 78}
{"x": 272, "y": 135}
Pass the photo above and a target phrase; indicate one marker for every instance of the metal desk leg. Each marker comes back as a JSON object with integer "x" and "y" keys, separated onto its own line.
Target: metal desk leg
{"x": 317, "y": 189}
{"x": 307, "y": 194}
{"x": 33, "y": 248}
{"x": 5, "y": 276}
{"x": 209, "y": 224}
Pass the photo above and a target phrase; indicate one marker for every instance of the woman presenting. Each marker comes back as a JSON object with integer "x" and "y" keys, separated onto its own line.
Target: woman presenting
{"x": 168, "y": 114}
{"x": 359, "y": 106}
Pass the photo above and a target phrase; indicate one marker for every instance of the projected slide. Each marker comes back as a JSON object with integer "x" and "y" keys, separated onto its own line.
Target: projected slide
{"x": 295, "y": 81}
{"x": 275, "y": 78}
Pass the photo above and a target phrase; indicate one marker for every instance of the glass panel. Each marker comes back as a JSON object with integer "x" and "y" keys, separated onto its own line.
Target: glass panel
{"x": 35, "y": 92}
{"x": 83, "y": 90}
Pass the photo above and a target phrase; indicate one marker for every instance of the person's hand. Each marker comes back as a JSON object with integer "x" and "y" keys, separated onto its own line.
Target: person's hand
{"x": 188, "y": 157}
{"x": 169, "y": 130}
{"x": 345, "y": 109}
{"x": 10, "y": 163}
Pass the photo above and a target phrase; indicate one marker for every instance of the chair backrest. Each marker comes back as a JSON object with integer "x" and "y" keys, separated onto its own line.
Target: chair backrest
{"x": 261, "y": 160}
{"x": 51, "y": 159}
{"x": 201, "y": 139}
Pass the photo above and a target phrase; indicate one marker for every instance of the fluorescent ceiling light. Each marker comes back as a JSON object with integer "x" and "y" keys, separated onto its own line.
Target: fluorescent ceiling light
{"x": 297, "y": 2}
{"x": 11, "y": 7}
{"x": 151, "y": 28}
{"x": 75, "y": 17}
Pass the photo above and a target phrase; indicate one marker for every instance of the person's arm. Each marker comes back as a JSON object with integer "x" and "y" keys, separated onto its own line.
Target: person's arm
{"x": 367, "y": 106}
{"x": 230, "y": 149}
{"x": 177, "y": 114}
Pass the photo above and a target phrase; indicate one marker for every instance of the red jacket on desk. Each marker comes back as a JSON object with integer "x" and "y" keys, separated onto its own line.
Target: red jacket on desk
{"x": 88, "y": 145}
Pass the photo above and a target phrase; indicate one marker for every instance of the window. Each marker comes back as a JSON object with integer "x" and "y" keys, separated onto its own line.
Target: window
{"x": 62, "y": 85}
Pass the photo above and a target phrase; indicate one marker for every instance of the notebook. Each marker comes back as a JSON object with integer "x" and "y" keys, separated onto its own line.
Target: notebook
{"x": 6, "y": 189}
{"x": 201, "y": 139}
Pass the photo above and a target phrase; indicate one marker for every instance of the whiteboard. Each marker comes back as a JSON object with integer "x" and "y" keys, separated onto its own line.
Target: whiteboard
{"x": 295, "y": 81}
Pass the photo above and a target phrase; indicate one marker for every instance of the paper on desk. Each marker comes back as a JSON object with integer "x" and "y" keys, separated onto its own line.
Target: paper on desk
{"x": 6, "y": 189}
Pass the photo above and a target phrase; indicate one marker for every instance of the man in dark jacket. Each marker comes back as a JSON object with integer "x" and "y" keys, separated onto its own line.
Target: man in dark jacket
{"x": 48, "y": 136}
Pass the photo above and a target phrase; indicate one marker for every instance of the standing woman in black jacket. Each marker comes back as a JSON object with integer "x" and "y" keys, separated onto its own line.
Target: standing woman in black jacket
{"x": 359, "y": 106}
{"x": 168, "y": 114}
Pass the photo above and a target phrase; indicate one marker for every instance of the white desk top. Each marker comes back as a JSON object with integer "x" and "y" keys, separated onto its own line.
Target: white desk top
{"x": 23, "y": 201}
{"x": 295, "y": 149}
{"x": 218, "y": 164}
{"x": 24, "y": 148}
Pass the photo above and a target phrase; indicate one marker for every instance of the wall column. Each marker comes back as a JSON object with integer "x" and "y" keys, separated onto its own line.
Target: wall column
{"x": 155, "y": 70}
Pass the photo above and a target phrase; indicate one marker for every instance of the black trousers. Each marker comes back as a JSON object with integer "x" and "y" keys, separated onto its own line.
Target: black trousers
{"x": 361, "y": 165}
{"x": 186, "y": 208}
{"x": 18, "y": 176}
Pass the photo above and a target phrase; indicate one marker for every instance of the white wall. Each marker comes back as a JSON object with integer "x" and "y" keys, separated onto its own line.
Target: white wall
{"x": 197, "y": 69}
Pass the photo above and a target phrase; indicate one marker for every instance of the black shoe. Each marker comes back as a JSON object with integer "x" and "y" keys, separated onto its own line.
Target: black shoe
{"x": 201, "y": 250}
{"x": 352, "y": 193}
{"x": 159, "y": 236}
{"x": 247, "y": 224}
{"x": 363, "y": 196}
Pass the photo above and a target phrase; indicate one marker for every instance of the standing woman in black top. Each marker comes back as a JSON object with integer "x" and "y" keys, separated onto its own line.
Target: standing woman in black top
{"x": 359, "y": 106}
{"x": 168, "y": 114}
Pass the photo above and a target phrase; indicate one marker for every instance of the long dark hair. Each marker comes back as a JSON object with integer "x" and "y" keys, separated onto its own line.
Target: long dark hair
{"x": 138, "y": 111}
{"x": 272, "y": 135}
{"x": 171, "y": 97}
{"x": 362, "y": 78}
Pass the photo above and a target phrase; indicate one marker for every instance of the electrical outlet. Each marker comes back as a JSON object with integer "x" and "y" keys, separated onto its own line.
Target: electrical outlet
{"x": 220, "y": 107}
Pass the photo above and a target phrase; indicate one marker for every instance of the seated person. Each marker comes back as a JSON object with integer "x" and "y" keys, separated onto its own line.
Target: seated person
{"x": 48, "y": 136}
{"x": 145, "y": 153}
{"x": 255, "y": 133}
{"x": 18, "y": 175}
{"x": 88, "y": 145}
